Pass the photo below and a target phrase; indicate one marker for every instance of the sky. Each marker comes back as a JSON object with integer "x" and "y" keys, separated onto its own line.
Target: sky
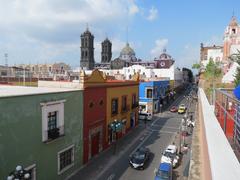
{"x": 48, "y": 31}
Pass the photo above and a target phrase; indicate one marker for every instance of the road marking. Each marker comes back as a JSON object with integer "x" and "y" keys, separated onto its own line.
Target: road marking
{"x": 169, "y": 132}
{"x": 143, "y": 141}
{"x": 111, "y": 177}
{"x": 168, "y": 127}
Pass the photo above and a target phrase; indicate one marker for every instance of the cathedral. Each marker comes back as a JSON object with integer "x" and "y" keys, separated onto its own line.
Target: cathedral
{"x": 127, "y": 55}
{"x": 126, "y": 58}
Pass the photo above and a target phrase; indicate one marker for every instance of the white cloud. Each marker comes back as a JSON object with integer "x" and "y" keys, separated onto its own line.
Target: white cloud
{"x": 188, "y": 56}
{"x": 160, "y": 44}
{"x": 133, "y": 9}
{"x": 49, "y": 29}
{"x": 153, "y": 12}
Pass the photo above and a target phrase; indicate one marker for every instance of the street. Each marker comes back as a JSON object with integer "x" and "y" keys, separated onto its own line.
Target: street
{"x": 160, "y": 132}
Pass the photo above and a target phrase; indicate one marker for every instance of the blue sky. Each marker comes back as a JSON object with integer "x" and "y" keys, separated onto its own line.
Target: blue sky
{"x": 47, "y": 31}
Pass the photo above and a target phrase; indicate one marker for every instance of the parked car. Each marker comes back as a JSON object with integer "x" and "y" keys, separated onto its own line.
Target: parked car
{"x": 182, "y": 109}
{"x": 139, "y": 158}
{"x": 164, "y": 172}
{"x": 170, "y": 155}
{"x": 173, "y": 109}
{"x": 143, "y": 116}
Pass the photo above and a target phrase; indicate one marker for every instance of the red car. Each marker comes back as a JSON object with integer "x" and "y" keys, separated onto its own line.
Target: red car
{"x": 173, "y": 109}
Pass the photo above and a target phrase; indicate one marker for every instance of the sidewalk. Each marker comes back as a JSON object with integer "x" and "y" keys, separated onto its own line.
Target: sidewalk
{"x": 98, "y": 164}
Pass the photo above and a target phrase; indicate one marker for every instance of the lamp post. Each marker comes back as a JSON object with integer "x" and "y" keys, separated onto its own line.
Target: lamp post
{"x": 19, "y": 174}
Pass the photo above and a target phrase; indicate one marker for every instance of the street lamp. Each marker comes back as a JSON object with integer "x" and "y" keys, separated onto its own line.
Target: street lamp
{"x": 19, "y": 174}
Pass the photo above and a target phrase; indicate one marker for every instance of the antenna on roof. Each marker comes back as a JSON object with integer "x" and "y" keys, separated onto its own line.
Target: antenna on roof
{"x": 127, "y": 34}
{"x": 233, "y": 13}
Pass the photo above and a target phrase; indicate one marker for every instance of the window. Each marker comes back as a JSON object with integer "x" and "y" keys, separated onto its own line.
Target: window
{"x": 114, "y": 106}
{"x": 91, "y": 104}
{"x": 134, "y": 101}
{"x": 124, "y": 103}
{"x": 149, "y": 93}
{"x": 65, "y": 159}
{"x": 52, "y": 120}
{"x": 234, "y": 31}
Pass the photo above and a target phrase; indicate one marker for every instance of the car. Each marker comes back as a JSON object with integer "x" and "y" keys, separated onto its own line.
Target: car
{"x": 164, "y": 172}
{"x": 144, "y": 115}
{"x": 170, "y": 155}
{"x": 173, "y": 109}
{"x": 139, "y": 158}
{"x": 182, "y": 109}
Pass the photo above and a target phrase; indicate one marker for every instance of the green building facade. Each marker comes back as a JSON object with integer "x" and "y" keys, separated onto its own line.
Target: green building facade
{"x": 42, "y": 132}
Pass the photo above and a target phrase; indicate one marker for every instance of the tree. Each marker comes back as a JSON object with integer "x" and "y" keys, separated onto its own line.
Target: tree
{"x": 212, "y": 72}
{"x": 196, "y": 66}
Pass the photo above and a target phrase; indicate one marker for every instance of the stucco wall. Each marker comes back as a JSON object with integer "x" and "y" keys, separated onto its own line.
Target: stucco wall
{"x": 118, "y": 92}
{"x": 21, "y": 134}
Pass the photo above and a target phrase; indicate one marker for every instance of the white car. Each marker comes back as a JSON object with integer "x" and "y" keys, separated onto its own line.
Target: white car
{"x": 143, "y": 116}
{"x": 170, "y": 155}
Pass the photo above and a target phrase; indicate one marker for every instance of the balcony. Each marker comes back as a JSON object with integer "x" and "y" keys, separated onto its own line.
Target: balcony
{"x": 53, "y": 133}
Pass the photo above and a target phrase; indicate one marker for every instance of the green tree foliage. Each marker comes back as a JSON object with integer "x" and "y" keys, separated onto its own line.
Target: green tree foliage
{"x": 212, "y": 72}
{"x": 196, "y": 66}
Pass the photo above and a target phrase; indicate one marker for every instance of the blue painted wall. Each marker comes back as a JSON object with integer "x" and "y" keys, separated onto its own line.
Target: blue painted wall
{"x": 159, "y": 90}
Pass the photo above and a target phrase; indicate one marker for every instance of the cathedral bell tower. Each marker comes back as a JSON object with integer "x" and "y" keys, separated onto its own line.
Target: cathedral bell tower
{"x": 106, "y": 51}
{"x": 87, "y": 51}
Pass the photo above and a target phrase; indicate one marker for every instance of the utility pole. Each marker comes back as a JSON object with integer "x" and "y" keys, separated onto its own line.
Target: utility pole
{"x": 6, "y": 66}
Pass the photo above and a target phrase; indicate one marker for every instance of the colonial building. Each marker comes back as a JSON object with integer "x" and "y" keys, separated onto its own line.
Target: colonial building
{"x": 231, "y": 41}
{"x": 106, "y": 102}
{"x": 87, "y": 50}
{"x": 153, "y": 95}
{"x": 162, "y": 68}
{"x": 44, "y": 134}
{"x": 210, "y": 52}
{"x": 56, "y": 71}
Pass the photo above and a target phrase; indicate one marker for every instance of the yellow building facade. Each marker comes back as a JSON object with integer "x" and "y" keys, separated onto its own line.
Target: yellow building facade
{"x": 122, "y": 108}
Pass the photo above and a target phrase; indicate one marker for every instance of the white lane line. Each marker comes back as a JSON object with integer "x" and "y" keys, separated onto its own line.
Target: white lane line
{"x": 169, "y": 132}
{"x": 143, "y": 139}
{"x": 168, "y": 127}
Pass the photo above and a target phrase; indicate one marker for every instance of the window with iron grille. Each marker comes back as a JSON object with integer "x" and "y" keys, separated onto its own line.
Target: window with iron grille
{"x": 52, "y": 120}
{"x": 114, "y": 106}
{"x": 65, "y": 159}
{"x": 124, "y": 103}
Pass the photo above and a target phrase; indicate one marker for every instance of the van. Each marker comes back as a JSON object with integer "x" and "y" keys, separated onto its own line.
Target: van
{"x": 145, "y": 116}
{"x": 164, "y": 172}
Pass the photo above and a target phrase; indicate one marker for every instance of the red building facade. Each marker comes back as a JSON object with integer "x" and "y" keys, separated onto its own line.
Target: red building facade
{"x": 94, "y": 124}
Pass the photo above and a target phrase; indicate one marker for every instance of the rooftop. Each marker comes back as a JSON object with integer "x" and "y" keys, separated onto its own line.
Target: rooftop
{"x": 8, "y": 91}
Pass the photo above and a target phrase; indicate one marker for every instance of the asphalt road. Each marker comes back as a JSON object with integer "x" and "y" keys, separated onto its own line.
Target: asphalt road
{"x": 161, "y": 132}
